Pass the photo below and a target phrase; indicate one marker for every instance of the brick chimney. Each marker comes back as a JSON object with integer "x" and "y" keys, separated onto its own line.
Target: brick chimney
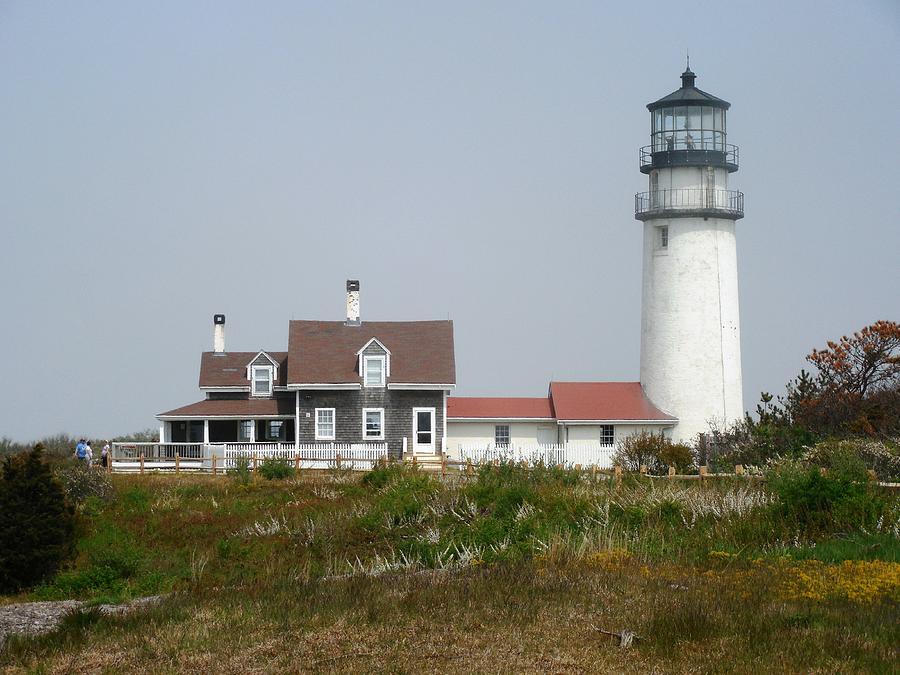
{"x": 219, "y": 333}
{"x": 353, "y": 302}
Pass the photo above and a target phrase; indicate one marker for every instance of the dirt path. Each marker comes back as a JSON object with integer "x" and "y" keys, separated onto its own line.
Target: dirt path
{"x": 36, "y": 618}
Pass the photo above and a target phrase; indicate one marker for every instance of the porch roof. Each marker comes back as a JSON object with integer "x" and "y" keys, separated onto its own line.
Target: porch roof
{"x": 234, "y": 408}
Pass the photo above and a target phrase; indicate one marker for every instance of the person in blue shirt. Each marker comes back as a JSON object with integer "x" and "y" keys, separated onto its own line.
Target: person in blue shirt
{"x": 81, "y": 450}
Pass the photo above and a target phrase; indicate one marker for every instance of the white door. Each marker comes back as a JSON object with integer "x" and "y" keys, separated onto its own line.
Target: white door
{"x": 423, "y": 430}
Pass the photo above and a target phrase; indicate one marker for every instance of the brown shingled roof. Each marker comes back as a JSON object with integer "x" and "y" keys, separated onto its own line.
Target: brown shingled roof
{"x": 243, "y": 408}
{"x": 229, "y": 369}
{"x": 324, "y": 352}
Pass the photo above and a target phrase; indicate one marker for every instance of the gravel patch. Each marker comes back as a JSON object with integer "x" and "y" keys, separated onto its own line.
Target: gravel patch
{"x": 37, "y": 618}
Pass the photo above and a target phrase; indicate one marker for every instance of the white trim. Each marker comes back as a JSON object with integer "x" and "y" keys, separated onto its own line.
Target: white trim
{"x": 380, "y": 344}
{"x": 444, "y": 434}
{"x": 271, "y": 360}
{"x": 415, "y": 430}
{"x": 320, "y": 437}
{"x": 221, "y": 417}
{"x": 380, "y": 437}
{"x": 241, "y": 389}
{"x": 581, "y": 422}
{"x": 374, "y": 357}
{"x": 415, "y": 386}
{"x": 253, "y": 390}
{"x": 501, "y": 419}
{"x": 326, "y": 386}
{"x": 296, "y": 420}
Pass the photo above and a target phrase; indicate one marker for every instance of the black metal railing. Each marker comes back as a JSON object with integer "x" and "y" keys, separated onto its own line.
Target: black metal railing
{"x": 699, "y": 152}
{"x": 689, "y": 201}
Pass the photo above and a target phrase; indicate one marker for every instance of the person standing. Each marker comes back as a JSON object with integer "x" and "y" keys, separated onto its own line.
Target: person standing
{"x": 104, "y": 456}
{"x": 81, "y": 450}
{"x": 89, "y": 458}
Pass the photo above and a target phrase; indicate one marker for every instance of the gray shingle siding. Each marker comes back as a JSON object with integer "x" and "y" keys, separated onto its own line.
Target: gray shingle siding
{"x": 348, "y": 407}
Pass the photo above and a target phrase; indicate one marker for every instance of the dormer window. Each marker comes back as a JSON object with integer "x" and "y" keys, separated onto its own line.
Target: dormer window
{"x": 373, "y": 371}
{"x": 261, "y": 380}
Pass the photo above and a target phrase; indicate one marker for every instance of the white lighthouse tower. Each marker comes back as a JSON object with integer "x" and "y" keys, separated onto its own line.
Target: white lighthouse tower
{"x": 690, "y": 327}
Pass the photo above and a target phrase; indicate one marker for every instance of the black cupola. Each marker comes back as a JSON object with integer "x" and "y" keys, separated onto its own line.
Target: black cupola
{"x": 688, "y": 128}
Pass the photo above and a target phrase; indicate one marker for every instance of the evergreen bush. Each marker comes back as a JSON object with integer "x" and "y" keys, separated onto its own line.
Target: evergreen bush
{"x": 37, "y": 524}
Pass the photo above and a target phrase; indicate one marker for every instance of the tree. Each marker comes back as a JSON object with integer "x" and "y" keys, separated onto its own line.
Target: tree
{"x": 37, "y": 526}
{"x": 857, "y": 387}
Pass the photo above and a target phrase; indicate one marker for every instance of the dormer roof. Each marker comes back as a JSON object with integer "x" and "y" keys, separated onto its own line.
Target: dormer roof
{"x": 228, "y": 370}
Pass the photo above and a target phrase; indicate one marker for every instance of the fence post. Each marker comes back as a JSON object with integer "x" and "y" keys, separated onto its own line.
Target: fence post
{"x": 297, "y": 463}
{"x": 738, "y": 469}
{"x": 443, "y": 466}
{"x": 213, "y": 456}
{"x": 468, "y": 467}
{"x": 643, "y": 469}
{"x": 617, "y": 470}
{"x": 704, "y": 470}
{"x": 142, "y": 462}
{"x": 593, "y": 472}
{"x": 337, "y": 460}
{"x": 177, "y": 463}
{"x": 255, "y": 460}
{"x": 671, "y": 471}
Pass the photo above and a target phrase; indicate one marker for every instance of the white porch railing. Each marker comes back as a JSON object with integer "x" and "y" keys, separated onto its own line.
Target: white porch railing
{"x": 200, "y": 456}
{"x": 584, "y": 453}
{"x": 310, "y": 455}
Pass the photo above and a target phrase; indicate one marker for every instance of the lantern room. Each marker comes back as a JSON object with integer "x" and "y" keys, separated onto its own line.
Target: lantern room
{"x": 688, "y": 128}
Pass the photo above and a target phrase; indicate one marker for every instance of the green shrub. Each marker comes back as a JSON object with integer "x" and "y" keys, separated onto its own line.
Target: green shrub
{"x": 654, "y": 451}
{"x": 37, "y": 525}
{"x": 874, "y": 455}
{"x": 840, "y": 497}
{"x": 272, "y": 468}
{"x": 383, "y": 474}
{"x": 240, "y": 470}
{"x": 80, "y": 481}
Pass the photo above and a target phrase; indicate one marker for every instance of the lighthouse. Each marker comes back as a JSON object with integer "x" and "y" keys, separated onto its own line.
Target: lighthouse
{"x": 690, "y": 325}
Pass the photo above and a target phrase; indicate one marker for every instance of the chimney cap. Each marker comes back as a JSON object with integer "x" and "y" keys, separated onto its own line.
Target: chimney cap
{"x": 352, "y": 284}
{"x": 219, "y": 319}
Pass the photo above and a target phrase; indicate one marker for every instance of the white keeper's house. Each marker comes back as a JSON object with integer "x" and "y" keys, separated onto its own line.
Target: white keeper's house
{"x": 391, "y": 383}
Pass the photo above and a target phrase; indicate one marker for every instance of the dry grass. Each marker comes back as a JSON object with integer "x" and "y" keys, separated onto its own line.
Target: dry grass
{"x": 263, "y": 582}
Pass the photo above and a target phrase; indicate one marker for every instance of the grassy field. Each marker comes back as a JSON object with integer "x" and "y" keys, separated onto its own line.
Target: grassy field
{"x": 511, "y": 570}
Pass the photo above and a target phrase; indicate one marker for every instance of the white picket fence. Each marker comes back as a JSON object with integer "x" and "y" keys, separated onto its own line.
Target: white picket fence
{"x": 357, "y": 456}
{"x": 583, "y": 453}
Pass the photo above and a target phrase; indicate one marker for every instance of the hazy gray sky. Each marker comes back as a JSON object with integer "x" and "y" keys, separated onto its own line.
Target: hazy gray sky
{"x": 160, "y": 162}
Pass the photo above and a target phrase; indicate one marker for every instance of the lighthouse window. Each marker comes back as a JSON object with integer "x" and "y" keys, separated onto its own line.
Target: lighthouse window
{"x": 664, "y": 236}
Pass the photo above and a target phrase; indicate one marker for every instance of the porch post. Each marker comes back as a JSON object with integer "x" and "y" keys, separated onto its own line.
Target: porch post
{"x": 206, "y": 432}
{"x": 444, "y": 430}
{"x": 162, "y": 432}
{"x": 253, "y": 432}
{"x": 297, "y": 420}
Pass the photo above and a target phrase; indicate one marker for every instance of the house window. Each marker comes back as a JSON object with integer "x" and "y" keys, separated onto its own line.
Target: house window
{"x": 664, "y": 236}
{"x": 324, "y": 424}
{"x": 501, "y": 434}
{"x": 245, "y": 430}
{"x": 373, "y": 371}
{"x": 373, "y": 423}
{"x": 262, "y": 380}
{"x": 607, "y": 434}
{"x": 274, "y": 430}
